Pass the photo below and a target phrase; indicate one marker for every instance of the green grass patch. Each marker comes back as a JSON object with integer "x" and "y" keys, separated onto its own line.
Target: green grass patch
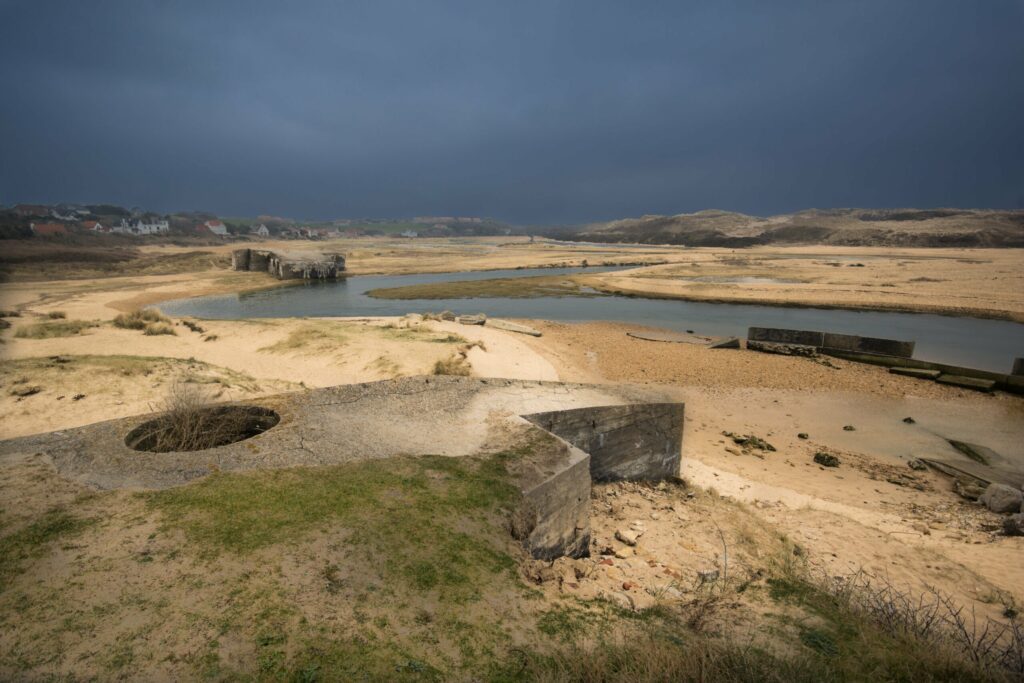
{"x": 312, "y": 337}
{"x": 32, "y": 541}
{"x": 436, "y": 520}
{"x": 49, "y": 330}
{"x": 513, "y": 287}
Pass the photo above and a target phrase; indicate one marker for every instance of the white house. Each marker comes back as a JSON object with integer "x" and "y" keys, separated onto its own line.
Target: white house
{"x": 217, "y": 228}
{"x": 260, "y": 230}
{"x": 139, "y": 228}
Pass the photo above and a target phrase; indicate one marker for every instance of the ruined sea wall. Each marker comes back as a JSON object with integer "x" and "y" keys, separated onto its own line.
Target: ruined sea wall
{"x": 287, "y": 267}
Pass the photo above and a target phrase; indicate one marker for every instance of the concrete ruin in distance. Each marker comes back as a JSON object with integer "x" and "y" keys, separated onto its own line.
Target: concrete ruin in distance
{"x": 289, "y": 266}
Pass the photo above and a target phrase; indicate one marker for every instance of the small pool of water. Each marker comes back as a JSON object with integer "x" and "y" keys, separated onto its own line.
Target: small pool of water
{"x": 971, "y": 342}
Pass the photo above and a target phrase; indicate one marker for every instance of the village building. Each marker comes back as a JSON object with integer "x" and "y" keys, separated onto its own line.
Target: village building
{"x": 30, "y": 210}
{"x": 139, "y": 228}
{"x": 94, "y": 226}
{"x": 48, "y": 229}
{"x": 260, "y": 230}
{"x": 217, "y": 228}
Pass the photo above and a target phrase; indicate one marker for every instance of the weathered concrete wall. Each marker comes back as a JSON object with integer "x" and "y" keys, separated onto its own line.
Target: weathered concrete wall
{"x": 850, "y": 342}
{"x": 778, "y": 335}
{"x": 554, "y": 515}
{"x": 240, "y": 259}
{"x": 1018, "y": 366}
{"x": 832, "y": 340}
{"x": 329, "y": 266}
{"x": 636, "y": 442}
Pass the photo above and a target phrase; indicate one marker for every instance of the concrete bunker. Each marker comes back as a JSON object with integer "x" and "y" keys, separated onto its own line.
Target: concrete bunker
{"x": 635, "y": 442}
{"x": 566, "y": 436}
{"x": 201, "y": 429}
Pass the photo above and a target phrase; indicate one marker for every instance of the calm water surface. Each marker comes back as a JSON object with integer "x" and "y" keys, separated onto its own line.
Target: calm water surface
{"x": 984, "y": 344}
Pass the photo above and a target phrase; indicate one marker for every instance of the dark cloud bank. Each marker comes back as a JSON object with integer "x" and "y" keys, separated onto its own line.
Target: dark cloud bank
{"x": 525, "y": 111}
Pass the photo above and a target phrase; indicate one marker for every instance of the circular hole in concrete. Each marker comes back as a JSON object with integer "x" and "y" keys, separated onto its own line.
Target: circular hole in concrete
{"x": 200, "y": 429}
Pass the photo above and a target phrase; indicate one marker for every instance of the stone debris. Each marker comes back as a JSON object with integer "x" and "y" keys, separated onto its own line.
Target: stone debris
{"x": 849, "y": 428}
{"x": 749, "y": 441}
{"x": 916, "y": 464}
{"x": 803, "y": 435}
{"x": 477, "y": 319}
{"x": 1014, "y": 525}
{"x": 628, "y": 536}
{"x": 909, "y": 420}
{"x": 24, "y": 391}
{"x": 447, "y": 316}
{"x": 783, "y": 349}
{"x": 826, "y": 459}
{"x": 971, "y": 489}
{"x": 1001, "y": 498}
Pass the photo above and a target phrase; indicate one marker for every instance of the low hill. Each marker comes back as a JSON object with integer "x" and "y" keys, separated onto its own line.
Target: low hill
{"x": 841, "y": 227}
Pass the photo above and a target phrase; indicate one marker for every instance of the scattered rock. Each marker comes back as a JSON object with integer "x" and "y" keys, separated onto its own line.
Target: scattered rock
{"x": 622, "y": 553}
{"x": 78, "y": 397}
{"x": 628, "y": 536}
{"x": 1014, "y": 525}
{"x": 1001, "y": 498}
{"x": 447, "y": 315}
{"x": 24, "y": 391}
{"x": 909, "y": 420}
{"x": 826, "y": 459}
{"x": 749, "y": 441}
{"x": 916, "y": 464}
{"x": 628, "y": 585}
{"x": 607, "y": 562}
{"x": 849, "y": 428}
{"x": 803, "y": 435}
{"x": 970, "y": 489}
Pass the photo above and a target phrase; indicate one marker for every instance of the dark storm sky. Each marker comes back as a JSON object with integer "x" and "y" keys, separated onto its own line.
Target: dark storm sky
{"x": 526, "y": 111}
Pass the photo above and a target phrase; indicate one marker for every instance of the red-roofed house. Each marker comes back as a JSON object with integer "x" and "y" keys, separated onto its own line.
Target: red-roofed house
{"x": 48, "y": 229}
{"x": 94, "y": 226}
{"x": 31, "y": 210}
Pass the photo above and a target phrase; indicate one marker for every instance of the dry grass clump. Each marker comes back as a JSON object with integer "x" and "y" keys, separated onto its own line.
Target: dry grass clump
{"x": 190, "y": 422}
{"x": 63, "y": 328}
{"x": 138, "y": 320}
{"x": 56, "y": 315}
{"x": 453, "y": 365}
{"x": 154, "y": 329}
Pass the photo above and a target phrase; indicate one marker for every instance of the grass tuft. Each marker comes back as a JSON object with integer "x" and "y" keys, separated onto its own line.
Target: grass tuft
{"x": 64, "y": 328}
{"x": 155, "y": 329}
{"x": 138, "y": 320}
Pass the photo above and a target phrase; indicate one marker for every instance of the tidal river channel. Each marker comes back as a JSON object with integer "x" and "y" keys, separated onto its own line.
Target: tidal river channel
{"x": 972, "y": 342}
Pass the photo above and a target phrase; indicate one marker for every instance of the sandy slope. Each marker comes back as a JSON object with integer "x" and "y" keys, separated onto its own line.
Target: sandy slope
{"x": 873, "y": 512}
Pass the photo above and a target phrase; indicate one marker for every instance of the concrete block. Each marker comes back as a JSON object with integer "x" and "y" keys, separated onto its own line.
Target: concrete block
{"x": 779, "y": 335}
{"x": 1018, "y": 366}
{"x": 727, "y": 343}
{"x": 967, "y": 382}
{"x": 635, "y": 442}
{"x": 857, "y": 344}
{"x": 240, "y": 259}
{"x": 920, "y": 373}
{"x": 512, "y": 327}
{"x": 554, "y": 517}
